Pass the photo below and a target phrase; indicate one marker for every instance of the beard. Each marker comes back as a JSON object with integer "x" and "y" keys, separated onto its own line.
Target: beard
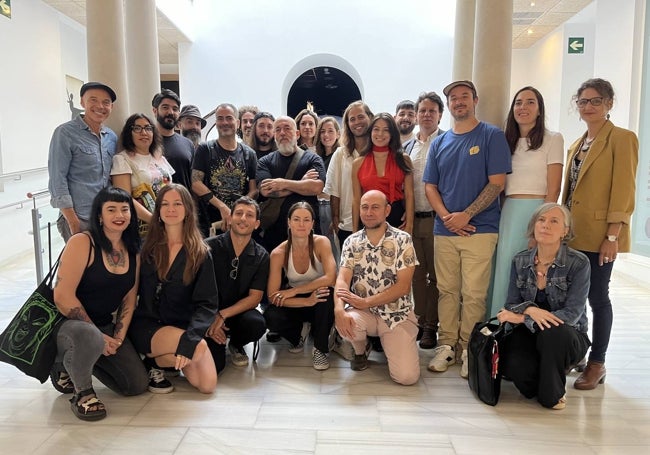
{"x": 193, "y": 135}
{"x": 408, "y": 130}
{"x": 168, "y": 122}
{"x": 287, "y": 148}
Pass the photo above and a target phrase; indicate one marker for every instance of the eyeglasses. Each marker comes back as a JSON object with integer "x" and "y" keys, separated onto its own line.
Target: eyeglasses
{"x": 137, "y": 129}
{"x": 235, "y": 267}
{"x": 596, "y": 101}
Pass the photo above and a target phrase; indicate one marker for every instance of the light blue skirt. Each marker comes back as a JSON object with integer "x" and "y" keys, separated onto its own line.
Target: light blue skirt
{"x": 515, "y": 215}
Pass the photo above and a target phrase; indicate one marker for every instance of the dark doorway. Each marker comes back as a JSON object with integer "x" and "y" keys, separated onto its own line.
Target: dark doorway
{"x": 330, "y": 90}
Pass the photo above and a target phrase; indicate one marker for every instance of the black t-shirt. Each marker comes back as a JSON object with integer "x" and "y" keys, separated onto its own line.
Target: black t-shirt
{"x": 179, "y": 152}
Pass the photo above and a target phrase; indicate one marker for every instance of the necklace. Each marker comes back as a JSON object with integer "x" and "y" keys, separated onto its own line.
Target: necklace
{"x": 544, "y": 265}
{"x": 586, "y": 144}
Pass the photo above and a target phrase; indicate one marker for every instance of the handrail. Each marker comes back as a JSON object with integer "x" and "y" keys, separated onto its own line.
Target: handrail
{"x": 19, "y": 174}
{"x": 32, "y": 196}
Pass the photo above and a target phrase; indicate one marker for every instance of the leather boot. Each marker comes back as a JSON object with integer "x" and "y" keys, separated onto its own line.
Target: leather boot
{"x": 593, "y": 375}
{"x": 429, "y": 338}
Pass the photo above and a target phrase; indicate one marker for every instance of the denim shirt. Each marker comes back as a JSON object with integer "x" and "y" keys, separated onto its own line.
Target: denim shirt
{"x": 567, "y": 286}
{"x": 79, "y": 165}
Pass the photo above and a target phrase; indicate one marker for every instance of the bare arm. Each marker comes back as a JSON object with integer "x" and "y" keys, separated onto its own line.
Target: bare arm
{"x": 344, "y": 322}
{"x": 409, "y": 202}
{"x": 435, "y": 199}
{"x": 252, "y": 189}
{"x": 356, "y": 194}
{"x": 71, "y": 268}
{"x": 457, "y": 221}
{"x": 125, "y": 311}
{"x": 401, "y": 287}
{"x": 553, "y": 182}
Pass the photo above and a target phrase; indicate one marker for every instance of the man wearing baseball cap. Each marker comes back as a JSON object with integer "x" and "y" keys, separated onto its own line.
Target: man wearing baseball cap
{"x": 80, "y": 158}
{"x": 191, "y": 123}
{"x": 465, "y": 172}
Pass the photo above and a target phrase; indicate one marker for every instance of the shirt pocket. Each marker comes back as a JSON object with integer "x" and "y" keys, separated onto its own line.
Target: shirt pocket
{"x": 86, "y": 155}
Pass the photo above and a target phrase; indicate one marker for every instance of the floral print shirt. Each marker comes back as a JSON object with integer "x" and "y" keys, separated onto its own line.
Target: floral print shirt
{"x": 374, "y": 269}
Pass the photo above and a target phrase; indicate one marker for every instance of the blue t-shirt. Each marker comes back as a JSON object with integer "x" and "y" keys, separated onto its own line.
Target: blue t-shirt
{"x": 459, "y": 165}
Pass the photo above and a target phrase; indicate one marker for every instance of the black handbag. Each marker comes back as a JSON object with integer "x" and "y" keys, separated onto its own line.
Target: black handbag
{"x": 27, "y": 342}
{"x": 483, "y": 357}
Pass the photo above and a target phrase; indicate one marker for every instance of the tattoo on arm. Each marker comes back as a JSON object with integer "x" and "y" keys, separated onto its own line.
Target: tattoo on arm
{"x": 197, "y": 176}
{"x": 487, "y": 196}
{"x": 79, "y": 314}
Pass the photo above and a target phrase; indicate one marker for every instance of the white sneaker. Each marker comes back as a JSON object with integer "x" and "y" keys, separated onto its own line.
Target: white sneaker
{"x": 238, "y": 356}
{"x": 443, "y": 356}
{"x": 464, "y": 369}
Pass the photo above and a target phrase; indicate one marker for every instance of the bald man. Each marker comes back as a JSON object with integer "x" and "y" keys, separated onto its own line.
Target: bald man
{"x": 374, "y": 282}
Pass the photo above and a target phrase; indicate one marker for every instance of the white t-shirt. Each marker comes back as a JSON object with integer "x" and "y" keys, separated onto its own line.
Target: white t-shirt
{"x": 339, "y": 184}
{"x": 155, "y": 171}
{"x": 529, "y": 166}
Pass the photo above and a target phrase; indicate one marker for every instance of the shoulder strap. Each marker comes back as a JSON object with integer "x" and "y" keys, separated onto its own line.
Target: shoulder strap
{"x": 90, "y": 248}
{"x": 294, "y": 164}
{"x": 409, "y": 146}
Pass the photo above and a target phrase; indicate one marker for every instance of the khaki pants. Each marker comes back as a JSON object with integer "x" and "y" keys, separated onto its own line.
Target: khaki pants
{"x": 463, "y": 269}
{"x": 425, "y": 289}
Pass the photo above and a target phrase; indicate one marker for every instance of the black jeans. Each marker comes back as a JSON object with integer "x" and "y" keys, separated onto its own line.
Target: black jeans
{"x": 601, "y": 307}
{"x": 243, "y": 328}
{"x": 537, "y": 362}
{"x": 288, "y": 321}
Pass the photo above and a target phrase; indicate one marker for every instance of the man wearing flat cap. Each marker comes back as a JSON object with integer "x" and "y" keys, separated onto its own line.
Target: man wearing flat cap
{"x": 191, "y": 123}
{"x": 465, "y": 172}
{"x": 80, "y": 159}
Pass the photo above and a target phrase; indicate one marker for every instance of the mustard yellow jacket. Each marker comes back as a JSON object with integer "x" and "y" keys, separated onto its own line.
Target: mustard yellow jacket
{"x": 604, "y": 192}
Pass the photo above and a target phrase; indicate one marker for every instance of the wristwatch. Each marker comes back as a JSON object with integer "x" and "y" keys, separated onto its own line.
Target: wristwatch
{"x": 612, "y": 238}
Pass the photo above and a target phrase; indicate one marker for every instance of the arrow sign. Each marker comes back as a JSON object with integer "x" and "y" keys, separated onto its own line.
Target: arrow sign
{"x": 576, "y": 45}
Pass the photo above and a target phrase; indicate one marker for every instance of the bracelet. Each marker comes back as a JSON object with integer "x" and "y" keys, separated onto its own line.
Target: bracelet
{"x": 221, "y": 316}
{"x": 207, "y": 197}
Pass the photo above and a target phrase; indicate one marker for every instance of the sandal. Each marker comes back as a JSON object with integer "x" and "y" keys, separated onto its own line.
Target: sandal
{"x": 61, "y": 379}
{"x": 561, "y": 404}
{"x": 86, "y": 406}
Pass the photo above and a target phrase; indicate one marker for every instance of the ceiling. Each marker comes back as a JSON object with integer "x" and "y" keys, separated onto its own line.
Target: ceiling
{"x": 532, "y": 20}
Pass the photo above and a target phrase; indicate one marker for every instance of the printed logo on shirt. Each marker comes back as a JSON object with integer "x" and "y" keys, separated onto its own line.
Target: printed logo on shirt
{"x": 474, "y": 150}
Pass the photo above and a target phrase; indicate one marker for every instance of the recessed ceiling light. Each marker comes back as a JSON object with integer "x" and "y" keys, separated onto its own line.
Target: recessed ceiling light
{"x": 530, "y": 31}
{"x": 532, "y": 3}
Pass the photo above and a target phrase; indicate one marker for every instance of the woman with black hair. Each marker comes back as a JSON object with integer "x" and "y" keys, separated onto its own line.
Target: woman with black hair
{"x": 384, "y": 166}
{"x": 97, "y": 276}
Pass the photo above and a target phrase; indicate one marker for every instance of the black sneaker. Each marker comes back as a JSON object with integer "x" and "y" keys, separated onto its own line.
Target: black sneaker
{"x": 273, "y": 337}
{"x": 157, "y": 381}
{"x": 359, "y": 363}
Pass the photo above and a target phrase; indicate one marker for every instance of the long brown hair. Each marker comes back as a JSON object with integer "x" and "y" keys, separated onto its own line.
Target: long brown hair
{"x": 155, "y": 248}
{"x": 394, "y": 145}
{"x": 347, "y": 137}
{"x": 287, "y": 250}
{"x": 318, "y": 144}
{"x": 536, "y": 134}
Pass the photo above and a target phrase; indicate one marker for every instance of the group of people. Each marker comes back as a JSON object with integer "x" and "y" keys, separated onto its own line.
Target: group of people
{"x": 416, "y": 219}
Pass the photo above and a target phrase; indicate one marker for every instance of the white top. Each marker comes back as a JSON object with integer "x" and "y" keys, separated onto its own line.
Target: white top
{"x": 154, "y": 171}
{"x": 529, "y": 166}
{"x": 418, "y": 156}
{"x": 296, "y": 279}
{"x": 339, "y": 184}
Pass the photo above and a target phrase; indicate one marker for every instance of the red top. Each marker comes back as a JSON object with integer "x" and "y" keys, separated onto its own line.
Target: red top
{"x": 391, "y": 184}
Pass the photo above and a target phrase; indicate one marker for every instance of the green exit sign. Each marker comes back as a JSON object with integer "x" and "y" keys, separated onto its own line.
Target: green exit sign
{"x": 576, "y": 45}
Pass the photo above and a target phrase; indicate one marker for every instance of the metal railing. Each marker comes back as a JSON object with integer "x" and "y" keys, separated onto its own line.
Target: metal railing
{"x": 37, "y": 228}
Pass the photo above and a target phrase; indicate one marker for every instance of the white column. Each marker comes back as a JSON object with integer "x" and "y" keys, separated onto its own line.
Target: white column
{"x": 492, "y": 59}
{"x": 106, "y": 53}
{"x": 464, "y": 40}
{"x": 143, "y": 69}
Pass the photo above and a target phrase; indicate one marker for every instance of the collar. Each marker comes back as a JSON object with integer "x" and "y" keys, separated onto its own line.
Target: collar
{"x": 249, "y": 249}
{"x": 431, "y": 136}
{"x": 559, "y": 261}
{"x": 387, "y": 234}
{"x": 79, "y": 120}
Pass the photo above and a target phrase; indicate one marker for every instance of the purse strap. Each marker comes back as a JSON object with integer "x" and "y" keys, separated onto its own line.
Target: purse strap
{"x": 294, "y": 164}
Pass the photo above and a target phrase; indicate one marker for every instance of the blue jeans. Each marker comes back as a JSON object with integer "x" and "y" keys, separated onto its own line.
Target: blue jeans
{"x": 601, "y": 307}
{"x": 80, "y": 346}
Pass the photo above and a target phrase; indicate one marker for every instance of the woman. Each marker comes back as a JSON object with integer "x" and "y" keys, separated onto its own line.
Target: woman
{"x": 308, "y": 264}
{"x": 327, "y": 141}
{"x": 178, "y": 295}
{"x": 537, "y": 159}
{"x": 599, "y": 186}
{"x": 98, "y": 276}
{"x": 306, "y": 122}
{"x": 141, "y": 169}
{"x": 547, "y": 303}
{"x": 385, "y": 167}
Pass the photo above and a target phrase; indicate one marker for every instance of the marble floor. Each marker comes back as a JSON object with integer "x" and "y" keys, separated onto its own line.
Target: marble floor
{"x": 281, "y": 405}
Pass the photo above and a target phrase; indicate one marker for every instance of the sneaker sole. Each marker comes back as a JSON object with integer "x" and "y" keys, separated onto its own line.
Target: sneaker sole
{"x": 439, "y": 370}
{"x": 160, "y": 391}
{"x": 321, "y": 367}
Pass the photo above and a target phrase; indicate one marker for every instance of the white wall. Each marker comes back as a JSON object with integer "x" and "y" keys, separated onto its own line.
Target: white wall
{"x": 241, "y": 56}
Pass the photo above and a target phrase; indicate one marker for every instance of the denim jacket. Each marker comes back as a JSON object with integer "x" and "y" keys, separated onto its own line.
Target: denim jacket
{"x": 567, "y": 286}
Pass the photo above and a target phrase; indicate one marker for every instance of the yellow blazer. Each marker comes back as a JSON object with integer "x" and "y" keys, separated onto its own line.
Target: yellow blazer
{"x": 604, "y": 192}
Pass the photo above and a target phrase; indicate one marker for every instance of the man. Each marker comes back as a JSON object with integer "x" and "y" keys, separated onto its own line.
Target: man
{"x": 356, "y": 121}
{"x": 241, "y": 269}
{"x": 178, "y": 150}
{"x": 80, "y": 159}
{"x": 191, "y": 123}
{"x": 377, "y": 265}
{"x": 305, "y": 184}
{"x": 262, "y": 139}
{"x": 223, "y": 171}
{"x": 465, "y": 172}
{"x": 245, "y": 128}
{"x": 429, "y": 108}
{"x": 405, "y": 119}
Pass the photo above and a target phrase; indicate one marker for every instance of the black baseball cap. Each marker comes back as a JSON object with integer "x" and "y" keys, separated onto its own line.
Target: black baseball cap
{"x": 90, "y": 85}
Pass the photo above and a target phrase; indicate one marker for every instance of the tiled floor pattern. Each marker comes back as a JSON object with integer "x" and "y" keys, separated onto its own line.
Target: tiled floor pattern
{"x": 281, "y": 405}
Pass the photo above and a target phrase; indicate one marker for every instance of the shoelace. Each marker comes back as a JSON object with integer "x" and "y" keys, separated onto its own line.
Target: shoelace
{"x": 156, "y": 375}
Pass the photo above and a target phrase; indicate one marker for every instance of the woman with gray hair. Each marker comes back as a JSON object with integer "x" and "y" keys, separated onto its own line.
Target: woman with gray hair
{"x": 546, "y": 302}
